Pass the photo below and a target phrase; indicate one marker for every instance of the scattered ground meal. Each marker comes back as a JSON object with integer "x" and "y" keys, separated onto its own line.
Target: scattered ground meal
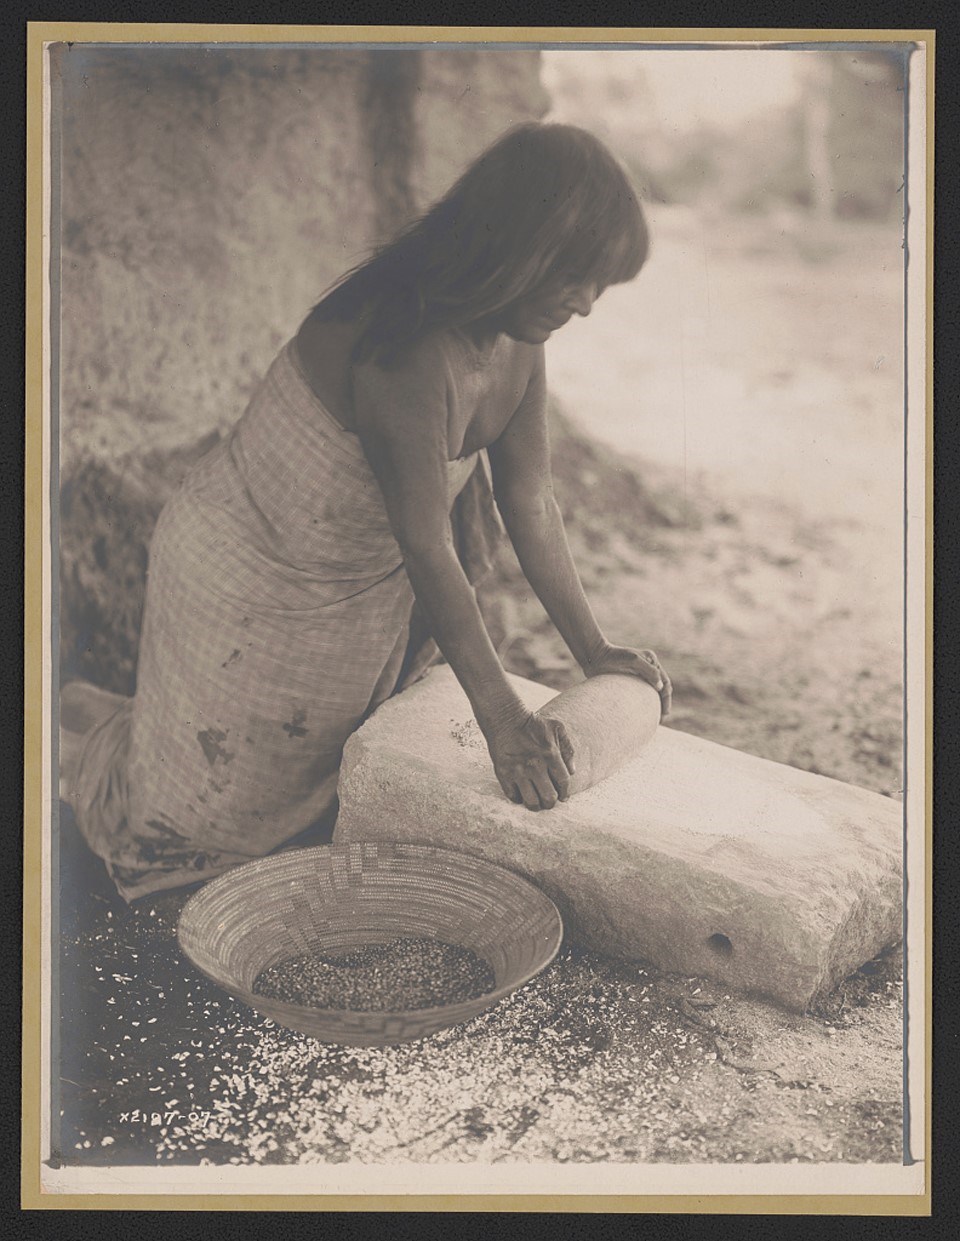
{"x": 400, "y": 976}
{"x": 594, "y": 1060}
{"x": 781, "y": 629}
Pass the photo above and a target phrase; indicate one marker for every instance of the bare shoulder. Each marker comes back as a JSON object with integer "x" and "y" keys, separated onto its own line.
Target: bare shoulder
{"x": 413, "y": 386}
{"x": 422, "y": 364}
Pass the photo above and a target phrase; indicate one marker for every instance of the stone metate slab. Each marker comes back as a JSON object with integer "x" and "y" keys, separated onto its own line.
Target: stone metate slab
{"x": 695, "y": 857}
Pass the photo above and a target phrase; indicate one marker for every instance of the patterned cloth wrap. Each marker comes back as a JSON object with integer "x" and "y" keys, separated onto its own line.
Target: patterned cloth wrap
{"x": 278, "y": 616}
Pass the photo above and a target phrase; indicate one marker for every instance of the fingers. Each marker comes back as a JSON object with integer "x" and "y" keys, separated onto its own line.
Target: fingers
{"x": 557, "y": 743}
{"x": 529, "y": 794}
{"x": 524, "y": 791}
{"x": 559, "y": 765}
{"x": 661, "y": 682}
{"x": 560, "y": 779}
{"x": 565, "y": 746}
{"x": 642, "y": 663}
{"x": 650, "y": 660}
{"x": 646, "y": 665}
{"x": 666, "y": 696}
{"x": 542, "y": 785}
{"x": 540, "y": 777}
{"x": 538, "y": 788}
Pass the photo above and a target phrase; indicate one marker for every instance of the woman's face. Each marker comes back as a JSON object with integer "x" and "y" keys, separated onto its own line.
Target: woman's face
{"x": 533, "y": 318}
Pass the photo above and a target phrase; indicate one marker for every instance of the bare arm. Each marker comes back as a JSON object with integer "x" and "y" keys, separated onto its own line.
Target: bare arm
{"x": 523, "y": 484}
{"x": 401, "y": 419}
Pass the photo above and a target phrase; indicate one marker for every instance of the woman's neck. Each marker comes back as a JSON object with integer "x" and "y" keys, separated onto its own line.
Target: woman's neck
{"x": 482, "y": 339}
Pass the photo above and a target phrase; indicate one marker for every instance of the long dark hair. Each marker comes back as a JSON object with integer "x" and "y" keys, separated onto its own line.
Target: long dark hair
{"x": 543, "y": 202}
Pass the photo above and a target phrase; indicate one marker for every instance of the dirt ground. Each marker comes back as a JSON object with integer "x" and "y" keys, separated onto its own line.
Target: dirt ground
{"x": 755, "y": 370}
{"x": 772, "y": 593}
{"x": 593, "y": 1060}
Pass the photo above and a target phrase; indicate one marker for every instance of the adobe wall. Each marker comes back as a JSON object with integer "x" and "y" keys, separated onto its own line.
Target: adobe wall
{"x": 207, "y": 199}
{"x": 210, "y": 195}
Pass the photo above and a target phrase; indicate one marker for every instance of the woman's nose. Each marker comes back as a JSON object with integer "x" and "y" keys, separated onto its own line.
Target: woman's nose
{"x": 581, "y": 298}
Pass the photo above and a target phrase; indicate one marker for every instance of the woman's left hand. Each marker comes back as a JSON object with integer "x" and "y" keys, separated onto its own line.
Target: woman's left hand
{"x": 629, "y": 662}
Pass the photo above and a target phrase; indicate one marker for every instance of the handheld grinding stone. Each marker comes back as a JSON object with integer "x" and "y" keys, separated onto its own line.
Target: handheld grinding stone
{"x": 609, "y": 720}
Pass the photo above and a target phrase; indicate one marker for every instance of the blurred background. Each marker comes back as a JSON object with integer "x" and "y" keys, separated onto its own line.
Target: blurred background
{"x": 757, "y": 362}
{"x": 762, "y": 340}
{"x": 728, "y": 428}
{"x": 727, "y": 445}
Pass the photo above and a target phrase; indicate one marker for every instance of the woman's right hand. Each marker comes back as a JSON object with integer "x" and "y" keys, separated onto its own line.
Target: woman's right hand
{"x": 533, "y": 759}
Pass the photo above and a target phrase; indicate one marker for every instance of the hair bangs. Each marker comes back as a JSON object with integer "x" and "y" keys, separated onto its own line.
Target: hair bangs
{"x": 609, "y": 244}
{"x": 544, "y": 201}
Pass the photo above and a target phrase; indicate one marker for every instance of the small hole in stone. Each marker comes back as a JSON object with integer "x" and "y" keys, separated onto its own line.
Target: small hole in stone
{"x": 720, "y": 945}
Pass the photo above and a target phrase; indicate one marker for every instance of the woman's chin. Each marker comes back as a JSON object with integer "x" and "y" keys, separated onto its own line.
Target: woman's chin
{"x": 530, "y": 333}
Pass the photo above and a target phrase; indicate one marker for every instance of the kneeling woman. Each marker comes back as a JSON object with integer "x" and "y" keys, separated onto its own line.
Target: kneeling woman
{"x": 283, "y": 573}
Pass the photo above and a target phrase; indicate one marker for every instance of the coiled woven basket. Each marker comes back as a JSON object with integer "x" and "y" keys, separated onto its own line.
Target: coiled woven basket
{"x": 335, "y": 898}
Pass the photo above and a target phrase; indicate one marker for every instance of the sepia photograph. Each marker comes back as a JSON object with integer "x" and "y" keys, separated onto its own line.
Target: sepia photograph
{"x": 484, "y": 671}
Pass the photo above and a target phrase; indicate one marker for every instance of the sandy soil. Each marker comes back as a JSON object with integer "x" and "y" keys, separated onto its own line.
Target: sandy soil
{"x": 755, "y": 545}
{"x": 752, "y": 376}
{"x": 594, "y": 1060}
